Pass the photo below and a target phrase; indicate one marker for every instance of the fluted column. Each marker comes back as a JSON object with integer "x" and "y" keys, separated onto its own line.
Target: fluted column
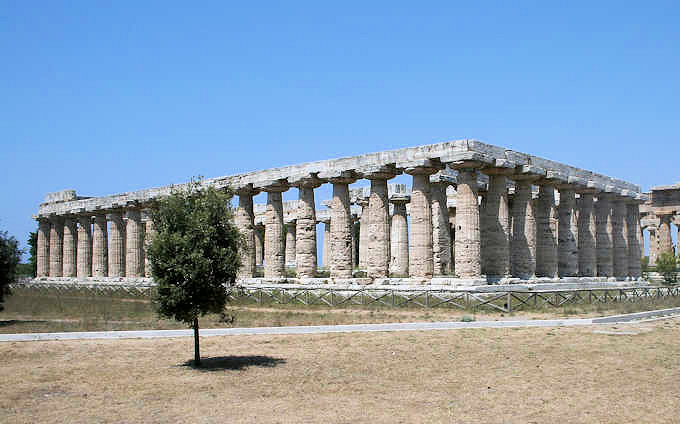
{"x": 306, "y": 261}
{"x": 452, "y": 231}
{"x": 546, "y": 232}
{"x": 568, "y": 234}
{"x": 70, "y": 245}
{"x": 326, "y": 256}
{"x": 274, "y": 253}
{"x": 441, "y": 232}
{"x": 43, "y": 253}
{"x": 363, "y": 233}
{"x": 245, "y": 221}
{"x": 664, "y": 236}
{"x": 341, "y": 263}
{"x": 495, "y": 226}
{"x": 619, "y": 239}
{"x": 148, "y": 236}
{"x": 587, "y": 258}
{"x": 100, "y": 250}
{"x": 523, "y": 231}
{"x": 84, "y": 246}
{"x": 468, "y": 260}
{"x": 290, "y": 243}
{"x": 634, "y": 240}
{"x": 399, "y": 238}
{"x": 259, "y": 244}
{"x": 653, "y": 246}
{"x": 420, "y": 244}
{"x": 603, "y": 221}
{"x": 379, "y": 228}
{"x": 134, "y": 249}
{"x": 116, "y": 245}
{"x": 56, "y": 246}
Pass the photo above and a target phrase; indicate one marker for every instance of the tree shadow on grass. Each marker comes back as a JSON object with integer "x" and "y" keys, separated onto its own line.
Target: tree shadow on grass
{"x": 10, "y": 322}
{"x": 234, "y": 363}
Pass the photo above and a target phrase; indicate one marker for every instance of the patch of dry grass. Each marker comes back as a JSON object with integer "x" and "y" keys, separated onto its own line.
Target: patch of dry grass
{"x": 628, "y": 374}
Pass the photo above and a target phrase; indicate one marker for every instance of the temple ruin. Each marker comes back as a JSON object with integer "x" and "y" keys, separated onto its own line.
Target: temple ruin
{"x": 474, "y": 214}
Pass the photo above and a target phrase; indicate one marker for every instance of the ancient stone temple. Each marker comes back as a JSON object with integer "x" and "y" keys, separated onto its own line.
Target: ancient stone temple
{"x": 658, "y": 213}
{"x": 474, "y": 213}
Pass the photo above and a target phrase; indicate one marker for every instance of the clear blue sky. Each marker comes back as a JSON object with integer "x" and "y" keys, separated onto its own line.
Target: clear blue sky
{"x": 107, "y": 97}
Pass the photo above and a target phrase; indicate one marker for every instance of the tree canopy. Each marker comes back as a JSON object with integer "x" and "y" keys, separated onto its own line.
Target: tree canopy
{"x": 10, "y": 255}
{"x": 193, "y": 253}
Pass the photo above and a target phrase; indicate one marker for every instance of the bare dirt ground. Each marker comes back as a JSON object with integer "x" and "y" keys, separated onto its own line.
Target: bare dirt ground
{"x": 608, "y": 374}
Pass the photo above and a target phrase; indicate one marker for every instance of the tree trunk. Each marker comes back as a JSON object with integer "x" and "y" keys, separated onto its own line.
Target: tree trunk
{"x": 197, "y": 352}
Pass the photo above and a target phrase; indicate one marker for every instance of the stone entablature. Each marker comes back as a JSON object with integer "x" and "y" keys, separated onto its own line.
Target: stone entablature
{"x": 657, "y": 214}
{"x": 397, "y": 160}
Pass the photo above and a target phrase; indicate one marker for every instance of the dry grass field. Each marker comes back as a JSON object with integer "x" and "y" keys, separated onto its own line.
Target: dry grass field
{"x": 604, "y": 374}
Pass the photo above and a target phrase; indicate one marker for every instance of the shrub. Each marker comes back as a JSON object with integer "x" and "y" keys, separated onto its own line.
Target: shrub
{"x": 666, "y": 265}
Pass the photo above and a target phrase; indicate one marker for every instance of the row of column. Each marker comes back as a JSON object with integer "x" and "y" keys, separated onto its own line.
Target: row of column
{"x": 528, "y": 239}
{"x": 660, "y": 238}
{"x": 106, "y": 245}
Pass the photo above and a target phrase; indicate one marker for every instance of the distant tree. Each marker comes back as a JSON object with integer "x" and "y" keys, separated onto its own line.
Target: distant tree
{"x": 10, "y": 255}
{"x": 193, "y": 253}
{"x": 666, "y": 265}
{"x": 33, "y": 252}
{"x": 644, "y": 266}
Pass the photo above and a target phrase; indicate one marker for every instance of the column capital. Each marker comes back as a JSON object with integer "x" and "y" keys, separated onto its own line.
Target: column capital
{"x": 384, "y": 172}
{"x": 500, "y": 167}
{"x": 336, "y": 176}
{"x": 420, "y": 166}
{"x": 306, "y": 180}
{"x": 467, "y": 159}
{"x": 529, "y": 173}
{"x": 273, "y": 185}
{"x": 443, "y": 178}
{"x": 400, "y": 198}
{"x": 247, "y": 190}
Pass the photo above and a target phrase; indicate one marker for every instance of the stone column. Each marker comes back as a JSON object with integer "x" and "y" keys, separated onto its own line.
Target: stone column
{"x": 420, "y": 244}
{"x": 379, "y": 227}
{"x": 305, "y": 237}
{"x": 341, "y": 263}
{"x": 364, "y": 224}
{"x": 452, "y": 227}
{"x": 100, "y": 255}
{"x": 619, "y": 239}
{"x": 43, "y": 253}
{"x": 244, "y": 219}
{"x": 603, "y": 222}
{"x": 84, "y": 246}
{"x": 355, "y": 240}
{"x": 587, "y": 258}
{"x": 468, "y": 261}
{"x": 274, "y": 253}
{"x": 568, "y": 233}
{"x": 523, "y": 231}
{"x": 134, "y": 249}
{"x": 56, "y": 246}
{"x": 546, "y": 234}
{"x": 259, "y": 244}
{"x": 290, "y": 243}
{"x": 326, "y": 255}
{"x": 665, "y": 239}
{"x": 148, "y": 236}
{"x": 634, "y": 240}
{"x": 495, "y": 226}
{"x": 399, "y": 237}
{"x": 441, "y": 233}
{"x": 70, "y": 244}
{"x": 116, "y": 245}
{"x": 653, "y": 246}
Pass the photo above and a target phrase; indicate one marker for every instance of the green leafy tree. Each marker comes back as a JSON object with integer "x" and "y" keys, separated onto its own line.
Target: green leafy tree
{"x": 33, "y": 251}
{"x": 666, "y": 265}
{"x": 10, "y": 255}
{"x": 193, "y": 253}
